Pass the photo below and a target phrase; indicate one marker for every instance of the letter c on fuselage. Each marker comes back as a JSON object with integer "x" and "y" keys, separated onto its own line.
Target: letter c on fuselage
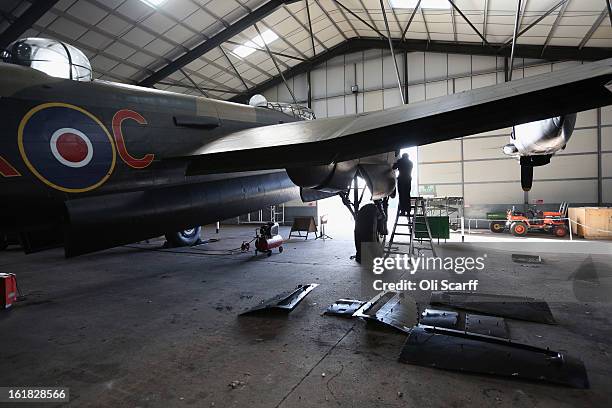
{"x": 137, "y": 163}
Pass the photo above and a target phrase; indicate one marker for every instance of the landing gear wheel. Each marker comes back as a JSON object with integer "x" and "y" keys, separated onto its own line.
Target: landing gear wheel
{"x": 497, "y": 227}
{"x": 184, "y": 238}
{"x": 280, "y": 250}
{"x": 560, "y": 231}
{"x": 518, "y": 229}
{"x": 526, "y": 177}
{"x": 269, "y": 253}
{"x": 366, "y": 228}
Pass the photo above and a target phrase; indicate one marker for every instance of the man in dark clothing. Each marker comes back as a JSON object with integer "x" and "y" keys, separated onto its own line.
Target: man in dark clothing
{"x": 404, "y": 182}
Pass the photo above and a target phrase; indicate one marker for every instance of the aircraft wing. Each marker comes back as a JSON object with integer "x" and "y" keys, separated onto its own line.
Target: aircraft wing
{"x": 328, "y": 140}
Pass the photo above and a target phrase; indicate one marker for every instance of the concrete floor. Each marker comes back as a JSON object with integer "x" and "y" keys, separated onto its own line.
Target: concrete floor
{"x": 140, "y": 327}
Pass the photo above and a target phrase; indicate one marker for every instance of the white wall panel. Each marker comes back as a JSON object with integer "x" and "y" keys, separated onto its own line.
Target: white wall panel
{"x": 606, "y": 138}
{"x": 319, "y": 83}
{"x": 582, "y": 141}
{"x": 449, "y": 190}
{"x": 350, "y": 102}
{"x": 537, "y": 70}
{"x": 606, "y": 165}
{"x": 283, "y": 92}
{"x": 335, "y": 106}
{"x": 416, "y": 67}
{"x": 440, "y": 173}
{"x": 435, "y": 66}
{"x": 358, "y": 67}
{"x": 372, "y": 70}
{"x": 416, "y": 93}
{"x": 492, "y": 170}
{"x": 372, "y": 101}
{"x": 484, "y": 148}
{"x": 300, "y": 87}
{"x": 606, "y": 115}
{"x": 436, "y": 89}
{"x": 459, "y": 65}
{"x": 391, "y": 98}
{"x": 335, "y": 80}
{"x": 498, "y": 132}
{"x": 493, "y": 193}
{"x": 320, "y": 108}
{"x": 572, "y": 191}
{"x": 389, "y": 76}
{"x": 349, "y": 77}
{"x": 607, "y": 191}
{"x": 587, "y": 118}
{"x": 463, "y": 84}
{"x": 562, "y": 167}
{"x": 483, "y": 64}
{"x": 449, "y": 150}
{"x": 480, "y": 81}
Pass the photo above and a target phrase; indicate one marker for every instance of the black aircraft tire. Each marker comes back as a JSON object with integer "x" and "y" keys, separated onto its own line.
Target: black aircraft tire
{"x": 366, "y": 228}
{"x": 497, "y": 227}
{"x": 184, "y": 238}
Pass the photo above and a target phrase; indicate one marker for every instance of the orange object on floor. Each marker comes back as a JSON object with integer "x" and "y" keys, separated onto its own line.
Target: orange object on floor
{"x": 8, "y": 289}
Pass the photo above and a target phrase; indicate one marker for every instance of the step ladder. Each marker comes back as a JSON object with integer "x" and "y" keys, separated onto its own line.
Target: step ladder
{"x": 416, "y": 221}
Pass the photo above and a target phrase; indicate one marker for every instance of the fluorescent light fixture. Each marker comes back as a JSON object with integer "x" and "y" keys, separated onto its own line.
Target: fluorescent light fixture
{"x": 153, "y": 3}
{"x": 425, "y": 4}
{"x": 250, "y": 46}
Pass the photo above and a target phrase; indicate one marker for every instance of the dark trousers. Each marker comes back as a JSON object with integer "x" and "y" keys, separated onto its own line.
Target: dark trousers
{"x": 403, "y": 190}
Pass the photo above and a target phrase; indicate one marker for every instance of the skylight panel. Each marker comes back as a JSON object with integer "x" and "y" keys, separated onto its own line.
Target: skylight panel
{"x": 250, "y": 46}
{"x": 153, "y": 3}
{"x": 425, "y": 4}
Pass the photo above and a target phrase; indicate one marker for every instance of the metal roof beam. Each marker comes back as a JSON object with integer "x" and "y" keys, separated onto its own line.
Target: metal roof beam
{"x": 553, "y": 29}
{"x": 593, "y": 28}
{"x": 397, "y": 74}
{"x": 352, "y": 13}
{"x": 486, "y": 17}
{"x": 554, "y": 53}
{"x": 216, "y": 40}
{"x": 234, "y": 67}
{"x": 536, "y": 22}
{"x": 426, "y": 26}
{"x": 331, "y": 20}
{"x": 416, "y": 8}
{"x": 467, "y": 20}
{"x": 24, "y": 22}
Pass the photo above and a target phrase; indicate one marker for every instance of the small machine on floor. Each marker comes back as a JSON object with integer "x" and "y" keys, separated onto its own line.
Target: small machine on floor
{"x": 519, "y": 223}
{"x": 268, "y": 238}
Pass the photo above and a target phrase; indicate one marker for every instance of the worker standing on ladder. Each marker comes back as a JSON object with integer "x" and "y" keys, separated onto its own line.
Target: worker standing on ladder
{"x": 404, "y": 182}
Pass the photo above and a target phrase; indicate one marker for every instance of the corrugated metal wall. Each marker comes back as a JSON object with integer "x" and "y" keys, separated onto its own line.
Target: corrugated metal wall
{"x": 474, "y": 166}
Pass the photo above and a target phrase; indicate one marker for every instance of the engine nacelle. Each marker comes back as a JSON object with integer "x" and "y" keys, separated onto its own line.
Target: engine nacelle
{"x": 543, "y": 137}
{"x": 331, "y": 178}
{"x": 319, "y": 182}
{"x": 534, "y": 143}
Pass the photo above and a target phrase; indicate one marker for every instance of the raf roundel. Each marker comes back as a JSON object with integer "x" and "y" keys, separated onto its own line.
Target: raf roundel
{"x": 66, "y": 147}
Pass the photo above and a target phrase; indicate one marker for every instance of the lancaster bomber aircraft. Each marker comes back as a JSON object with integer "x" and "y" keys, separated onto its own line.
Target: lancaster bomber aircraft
{"x": 92, "y": 164}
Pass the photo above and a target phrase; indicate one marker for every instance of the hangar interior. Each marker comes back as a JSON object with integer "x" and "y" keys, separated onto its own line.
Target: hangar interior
{"x": 132, "y": 42}
{"x": 147, "y": 323}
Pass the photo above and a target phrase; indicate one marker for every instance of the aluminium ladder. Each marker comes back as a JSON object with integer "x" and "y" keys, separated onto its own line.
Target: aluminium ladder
{"x": 415, "y": 220}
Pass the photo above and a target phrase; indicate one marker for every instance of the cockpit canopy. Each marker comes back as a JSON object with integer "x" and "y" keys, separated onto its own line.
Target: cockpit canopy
{"x": 52, "y": 57}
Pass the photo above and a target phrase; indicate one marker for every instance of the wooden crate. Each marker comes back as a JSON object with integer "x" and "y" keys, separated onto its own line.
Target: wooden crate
{"x": 595, "y": 221}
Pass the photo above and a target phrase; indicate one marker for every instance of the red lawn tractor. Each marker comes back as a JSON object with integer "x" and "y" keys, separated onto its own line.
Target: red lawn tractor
{"x": 519, "y": 223}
